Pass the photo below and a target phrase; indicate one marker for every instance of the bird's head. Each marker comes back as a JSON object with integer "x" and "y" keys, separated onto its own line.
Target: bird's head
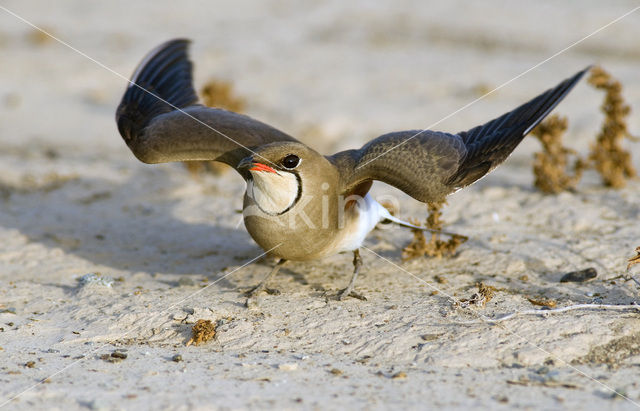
{"x": 281, "y": 173}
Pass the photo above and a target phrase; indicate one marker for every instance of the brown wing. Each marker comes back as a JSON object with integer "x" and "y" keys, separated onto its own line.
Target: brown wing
{"x": 429, "y": 165}
{"x": 160, "y": 121}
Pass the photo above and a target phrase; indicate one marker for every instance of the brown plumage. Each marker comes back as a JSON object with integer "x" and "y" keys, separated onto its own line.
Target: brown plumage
{"x": 300, "y": 208}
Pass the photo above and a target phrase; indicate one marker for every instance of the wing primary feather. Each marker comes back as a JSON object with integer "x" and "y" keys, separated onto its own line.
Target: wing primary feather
{"x": 160, "y": 120}
{"x": 490, "y": 144}
{"x": 164, "y": 73}
{"x": 429, "y": 165}
{"x": 557, "y": 98}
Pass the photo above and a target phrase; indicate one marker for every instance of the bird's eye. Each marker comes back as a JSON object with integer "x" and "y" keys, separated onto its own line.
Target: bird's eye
{"x": 291, "y": 161}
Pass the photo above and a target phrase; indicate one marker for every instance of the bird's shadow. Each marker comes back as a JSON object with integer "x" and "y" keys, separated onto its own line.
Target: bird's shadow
{"x": 147, "y": 232}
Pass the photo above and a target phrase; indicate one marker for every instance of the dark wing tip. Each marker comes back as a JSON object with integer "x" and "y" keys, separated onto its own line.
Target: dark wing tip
{"x": 559, "y": 93}
{"x": 161, "y": 83}
{"x": 491, "y": 143}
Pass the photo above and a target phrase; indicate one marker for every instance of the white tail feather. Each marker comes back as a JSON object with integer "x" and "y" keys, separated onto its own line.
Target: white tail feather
{"x": 384, "y": 213}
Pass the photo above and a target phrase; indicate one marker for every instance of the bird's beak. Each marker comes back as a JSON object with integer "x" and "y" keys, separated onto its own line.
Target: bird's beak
{"x": 248, "y": 163}
{"x": 245, "y": 163}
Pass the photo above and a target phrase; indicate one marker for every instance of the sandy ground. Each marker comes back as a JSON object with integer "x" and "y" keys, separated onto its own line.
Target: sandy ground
{"x": 74, "y": 201}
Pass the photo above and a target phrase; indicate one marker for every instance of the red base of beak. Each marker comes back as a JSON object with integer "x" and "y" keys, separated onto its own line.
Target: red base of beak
{"x": 261, "y": 167}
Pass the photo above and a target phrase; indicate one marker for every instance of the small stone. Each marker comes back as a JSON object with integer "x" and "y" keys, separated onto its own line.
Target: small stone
{"x": 336, "y": 371}
{"x": 96, "y": 405}
{"x": 543, "y": 370}
{"x": 288, "y": 366}
{"x": 30, "y": 364}
{"x": 399, "y": 375}
{"x": 12, "y": 100}
{"x": 176, "y": 358}
{"x": 579, "y": 276}
{"x": 501, "y": 398}
{"x": 114, "y": 358}
{"x": 619, "y": 394}
{"x": 430, "y": 337}
{"x": 95, "y": 279}
{"x": 119, "y": 354}
{"x": 186, "y": 282}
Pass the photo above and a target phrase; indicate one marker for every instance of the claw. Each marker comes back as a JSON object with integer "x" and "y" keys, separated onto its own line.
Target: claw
{"x": 253, "y": 292}
{"x": 342, "y": 295}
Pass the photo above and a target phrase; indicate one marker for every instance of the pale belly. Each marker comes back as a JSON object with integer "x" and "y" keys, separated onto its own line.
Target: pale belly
{"x": 304, "y": 242}
{"x": 364, "y": 217}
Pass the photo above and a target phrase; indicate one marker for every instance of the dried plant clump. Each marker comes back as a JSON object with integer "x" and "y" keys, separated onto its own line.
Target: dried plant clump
{"x": 218, "y": 94}
{"x": 202, "y": 332}
{"x": 543, "y": 302}
{"x": 551, "y": 166}
{"x": 481, "y": 298}
{"x": 197, "y": 168}
{"x": 435, "y": 247}
{"x": 486, "y": 292}
{"x": 38, "y": 37}
{"x": 635, "y": 259}
{"x": 607, "y": 155}
{"x": 614, "y": 354}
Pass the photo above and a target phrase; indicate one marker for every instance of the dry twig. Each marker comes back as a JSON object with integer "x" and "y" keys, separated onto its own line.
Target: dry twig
{"x": 546, "y": 312}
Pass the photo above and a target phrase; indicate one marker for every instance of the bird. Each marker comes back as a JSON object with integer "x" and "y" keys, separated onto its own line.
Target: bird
{"x": 300, "y": 205}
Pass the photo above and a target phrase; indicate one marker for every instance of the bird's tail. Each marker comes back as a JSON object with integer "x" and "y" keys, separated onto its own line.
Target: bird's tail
{"x": 386, "y": 215}
{"x": 161, "y": 83}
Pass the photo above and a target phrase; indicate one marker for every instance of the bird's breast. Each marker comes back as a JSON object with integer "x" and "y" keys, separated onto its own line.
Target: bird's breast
{"x": 313, "y": 228}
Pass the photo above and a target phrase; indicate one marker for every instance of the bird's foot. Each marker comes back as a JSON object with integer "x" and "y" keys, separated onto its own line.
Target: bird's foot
{"x": 260, "y": 288}
{"x": 252, "y": 295}
{"x": 350, "y": 292}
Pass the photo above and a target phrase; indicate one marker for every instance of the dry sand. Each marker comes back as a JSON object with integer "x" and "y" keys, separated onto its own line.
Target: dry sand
{"x": 74, "y": 201}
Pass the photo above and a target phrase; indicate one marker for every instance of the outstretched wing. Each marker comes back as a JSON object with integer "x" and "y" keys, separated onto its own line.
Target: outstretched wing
{"x": 429, "y": 165}
{"x": 160, "y": 121}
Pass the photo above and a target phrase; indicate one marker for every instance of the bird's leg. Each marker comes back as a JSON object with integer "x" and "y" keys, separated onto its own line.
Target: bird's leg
{"x": 349, "y": 292}
{"x": 263, "y": 284}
